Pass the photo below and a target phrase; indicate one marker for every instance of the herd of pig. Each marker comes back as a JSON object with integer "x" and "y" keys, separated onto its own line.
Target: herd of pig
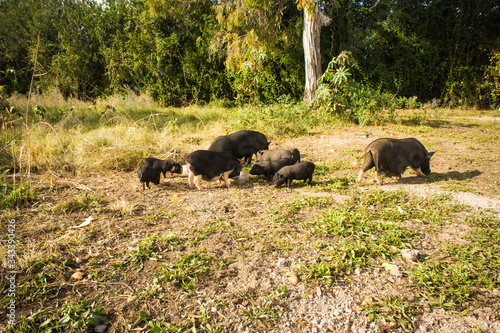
{"x": 221, "y": 161}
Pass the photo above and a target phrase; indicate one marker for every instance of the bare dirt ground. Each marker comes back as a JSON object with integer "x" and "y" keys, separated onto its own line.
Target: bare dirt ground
{"x": 246, "y": 287}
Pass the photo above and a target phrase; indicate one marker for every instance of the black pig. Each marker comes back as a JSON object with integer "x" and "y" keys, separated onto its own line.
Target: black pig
{"x": 299, "y": 171}
{"x": 392, "y": 156}
{"x": 211, "y": 165}
{"x": 147, "y": 174}
{"x": 279, "y": 154}
{"x": 269, "y": 168}
{"x": 163, "y": 165}
{"x": 242, "y": 144}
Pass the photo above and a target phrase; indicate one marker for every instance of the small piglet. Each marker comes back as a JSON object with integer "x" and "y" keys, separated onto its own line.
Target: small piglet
{"x": 299, "y": 171}
{"x": 163, "y": 165}
{"x": 269, "y": 168}
{"x": 147, "y": 174}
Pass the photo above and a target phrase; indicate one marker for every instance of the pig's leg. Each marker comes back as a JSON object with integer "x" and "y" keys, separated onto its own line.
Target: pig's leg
{"x": 197, "y": 180}
{"x": 360, "y": 176}
{"x": 289, "y": 182}
{"x": 226, "y": 178}
{"x": 420, "y": 173}
{"x": 367, "y": 165}
{"x": 190, "y": 179}
{"x": 379, "y": 178}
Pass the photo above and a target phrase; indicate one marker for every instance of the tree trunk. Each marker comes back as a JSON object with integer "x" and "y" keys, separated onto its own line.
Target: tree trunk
{"x": 314, "y": 20}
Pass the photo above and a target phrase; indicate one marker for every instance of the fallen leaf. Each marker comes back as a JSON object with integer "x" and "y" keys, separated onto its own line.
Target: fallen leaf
{"x": 77, "y": 275}
{"x": 367, "y": 299}
{"x": 357, "y": 308}
{"x": 389, "y": 267}
{"x": 84, "y": 223}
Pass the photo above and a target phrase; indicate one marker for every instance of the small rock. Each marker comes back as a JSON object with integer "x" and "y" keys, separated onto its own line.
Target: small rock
{"x": 77, "y": 275}
{"x": 282, "y": 262}
{"x": 396, "y": 272}
{"x": 337, "y": 312}
{"x": 100, "y": 328}
{"x": 410, "y": 255}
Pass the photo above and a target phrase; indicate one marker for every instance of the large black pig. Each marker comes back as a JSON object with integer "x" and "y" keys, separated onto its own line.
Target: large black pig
{"x": 211, "y": 165}
{"x": 242, "y": 144}
{"x": 300, "y": 171}
{"x": 392, "y": 156}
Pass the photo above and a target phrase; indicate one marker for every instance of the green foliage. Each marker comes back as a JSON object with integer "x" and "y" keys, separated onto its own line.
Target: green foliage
{"x": 352, "y": 101}
{"x": 72, "y": 317}
{"x": 395, "y": 310}
{"x": 491, "y": 85}
{"x": 197, "y": 51}
{"x": 461, "y": 272}
{"x": 12, "y": 196}
{"x": 185, "y": 272}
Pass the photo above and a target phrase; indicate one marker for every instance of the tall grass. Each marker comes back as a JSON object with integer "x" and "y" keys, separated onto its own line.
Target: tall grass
{"x": 118, "y": 132}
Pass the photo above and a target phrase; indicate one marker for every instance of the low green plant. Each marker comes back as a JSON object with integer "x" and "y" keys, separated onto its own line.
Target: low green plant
{"x": 261, "y": 310}
{"x": 456, "y": 277}
{"x": 12, "y": 196}
{"x": 185, "y": 272}
{"x": 80, "y": 316}
{"x": 393, "y": 309}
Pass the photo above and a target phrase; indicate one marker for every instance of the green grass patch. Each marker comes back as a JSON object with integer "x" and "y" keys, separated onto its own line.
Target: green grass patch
{"x": 368, "y": 228}
{"x": 185, "y": 272}
{"x": 82, "y": 316}
{"x": 393, "y": 309}
{"x": 12, "y": 196}
{"x": 458, "y": 274}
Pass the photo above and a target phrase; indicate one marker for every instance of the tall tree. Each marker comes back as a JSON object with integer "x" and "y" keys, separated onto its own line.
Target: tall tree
{"x": 314, "y": 20}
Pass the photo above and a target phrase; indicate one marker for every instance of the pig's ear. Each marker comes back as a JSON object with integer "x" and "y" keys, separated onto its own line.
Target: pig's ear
{"x": 429, "y": 155}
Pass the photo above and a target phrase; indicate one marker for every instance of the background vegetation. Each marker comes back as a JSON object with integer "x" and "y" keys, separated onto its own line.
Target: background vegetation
{"x": 194, "y": 52}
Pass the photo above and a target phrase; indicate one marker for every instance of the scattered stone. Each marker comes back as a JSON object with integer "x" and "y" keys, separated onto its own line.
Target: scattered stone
{"x": 410, "y": 255}
{"x": 100, "y": 328}
{"x": 282, "y": 262}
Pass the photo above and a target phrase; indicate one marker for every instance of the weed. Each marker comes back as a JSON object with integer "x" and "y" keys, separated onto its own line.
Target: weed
{"x": 393, "y": 309}
{"x": 148, "y": 249}
{"x": 12, "y": 196}
{"x": 72, "y": 317}
{"x": 335, "y": 184}
{"x": 367, "y": 228}
{"x": 262, "y": 311}
{"x": 185, "y": 272}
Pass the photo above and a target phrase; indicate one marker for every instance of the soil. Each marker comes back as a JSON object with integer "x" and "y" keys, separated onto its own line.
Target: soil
{"x": 254, "y": 254}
